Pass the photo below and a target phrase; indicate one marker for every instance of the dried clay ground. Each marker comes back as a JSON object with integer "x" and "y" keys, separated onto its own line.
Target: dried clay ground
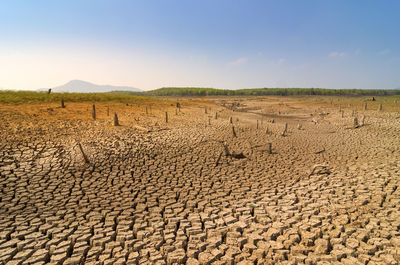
{"x": 190, "y": 191}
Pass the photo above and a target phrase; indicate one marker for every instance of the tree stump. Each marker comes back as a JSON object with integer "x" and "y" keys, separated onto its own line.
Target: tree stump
{"x": 94, "y": 112}
{"x": 356, "y": 125}
{"x": 380, "y": 107}
{"x": 285, "y": 130}
{"x": 324, "y": 169}
{"x": 218, "y": 159}
{"x": 269, "y": 148}
{"x": 62, "y": 103}
{"x": 83, "y": 154}
{"x": 116, "y": 122}
{"x": 233, "y": 131}
{"x": 226, "y": 150}
{"x": 166, "y": 117}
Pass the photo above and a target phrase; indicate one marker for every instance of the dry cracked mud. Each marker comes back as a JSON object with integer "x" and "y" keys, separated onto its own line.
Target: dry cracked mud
{"x": 179, "y": 192}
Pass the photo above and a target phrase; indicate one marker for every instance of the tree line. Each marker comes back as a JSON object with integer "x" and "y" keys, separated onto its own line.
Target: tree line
{"x": 200, "y": 91}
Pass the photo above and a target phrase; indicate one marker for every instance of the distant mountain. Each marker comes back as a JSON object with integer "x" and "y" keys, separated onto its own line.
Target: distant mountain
{"x": 79, "y": 86}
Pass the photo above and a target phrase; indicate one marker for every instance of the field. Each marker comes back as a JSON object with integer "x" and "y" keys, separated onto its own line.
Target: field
{"x": 219, "y": 180}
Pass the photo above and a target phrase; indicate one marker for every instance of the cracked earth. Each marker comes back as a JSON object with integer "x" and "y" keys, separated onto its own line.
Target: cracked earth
{"x": 190, "y": 191}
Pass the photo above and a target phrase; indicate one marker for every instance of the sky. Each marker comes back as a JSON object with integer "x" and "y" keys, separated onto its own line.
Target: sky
{"x": 209, "y": 43}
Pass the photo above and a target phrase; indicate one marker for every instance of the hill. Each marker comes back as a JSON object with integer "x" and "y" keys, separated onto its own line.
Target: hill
{"x": 79, "y": 86}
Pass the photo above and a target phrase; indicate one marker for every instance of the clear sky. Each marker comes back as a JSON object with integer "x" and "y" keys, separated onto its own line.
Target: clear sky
{"x": 211, "y": 43}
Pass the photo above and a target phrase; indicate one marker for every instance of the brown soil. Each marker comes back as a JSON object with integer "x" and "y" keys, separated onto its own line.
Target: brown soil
{"x": 189, "y": 191}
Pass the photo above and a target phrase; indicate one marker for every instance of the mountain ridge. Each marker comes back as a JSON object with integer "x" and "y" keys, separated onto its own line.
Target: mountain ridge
{"x": 80, "y": 86}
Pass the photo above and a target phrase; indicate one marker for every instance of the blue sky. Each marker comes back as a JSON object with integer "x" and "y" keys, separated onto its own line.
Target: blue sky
{"x": 212, "y": 43}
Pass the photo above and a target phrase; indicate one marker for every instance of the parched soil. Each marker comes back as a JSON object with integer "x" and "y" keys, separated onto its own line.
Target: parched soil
{"x": 199, "y": 189}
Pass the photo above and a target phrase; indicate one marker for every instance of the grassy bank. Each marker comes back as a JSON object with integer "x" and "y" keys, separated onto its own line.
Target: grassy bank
{"x": 22, "y": 97}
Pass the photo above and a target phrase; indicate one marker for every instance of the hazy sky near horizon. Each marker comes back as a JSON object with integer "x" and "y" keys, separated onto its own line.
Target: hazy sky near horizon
{"x": 210, "y": 43}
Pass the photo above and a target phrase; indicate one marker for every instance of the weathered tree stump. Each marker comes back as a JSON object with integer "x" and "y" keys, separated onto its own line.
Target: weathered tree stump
{"x": 362, "y": 120}
{"x": 380, "y": 107}
{"x": 356, "y": 125}
{"x": 83, "y": 154}
{"x": 226, "y": 150}
{"x": 166, "y": 117}
{"x": 94, "y": 112}
{"x": 233, "y": 131}
{"x": 218, "y": 159}
{"x": 116, "y": 122}
{"x": 323, "y": 169}
{"x": 62, "y": 103}
{"x": 285, "y": 129}
{"x": 233, "y": 154}
{"x": 269, "y": 148}
{"x": 365, "y": 106}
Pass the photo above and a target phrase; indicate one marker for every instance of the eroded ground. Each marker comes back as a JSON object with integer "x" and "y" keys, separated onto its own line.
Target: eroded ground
{"x": 157, "y": 192}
